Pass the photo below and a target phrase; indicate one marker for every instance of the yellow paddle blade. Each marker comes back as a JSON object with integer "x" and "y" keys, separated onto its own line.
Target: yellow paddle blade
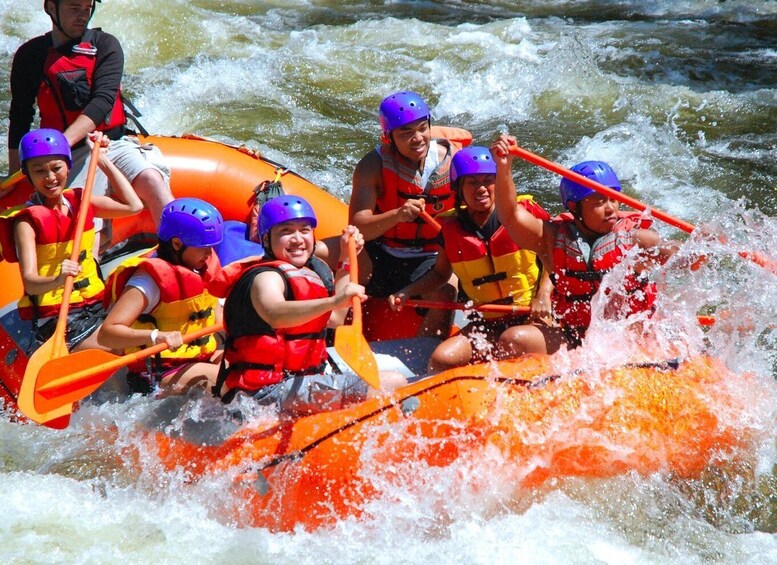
{"x": 58, "y": 417}
{"x": 351, "y": 345}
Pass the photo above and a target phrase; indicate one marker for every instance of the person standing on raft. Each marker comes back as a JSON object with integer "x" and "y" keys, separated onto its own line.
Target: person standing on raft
{"x": 490, "y": 267}
{"x": 407, "y": 174}
{"x": 39, "y": 235}
{"x": 578, "y": 249}
{"x": 163, "y": 295}
{"x": 276, "y": 314}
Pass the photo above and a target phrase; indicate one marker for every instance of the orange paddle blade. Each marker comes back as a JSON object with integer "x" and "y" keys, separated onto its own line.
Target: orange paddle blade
{"x": 57, "y": 418}
{"x": 54, "y": 391}
{"x": 350, "y": 342}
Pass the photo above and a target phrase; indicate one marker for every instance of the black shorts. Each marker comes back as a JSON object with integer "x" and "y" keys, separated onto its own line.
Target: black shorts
{"x": 390, "y": 273}
{"x": 81, "y": 323}
{"x": 489, "y": 330}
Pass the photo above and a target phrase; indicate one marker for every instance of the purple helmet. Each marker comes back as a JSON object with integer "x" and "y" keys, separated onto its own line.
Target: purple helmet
{"x": 195, "y": 222}
{"x": 43, "y": 143}
{"x": 400, "y": 109}
{"x": 473, "y": 160}
{"x": 283, "y": 209}
{"x": 598, "y": 171}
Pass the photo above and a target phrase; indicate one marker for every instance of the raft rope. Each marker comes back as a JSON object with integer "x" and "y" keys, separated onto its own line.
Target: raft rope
{"x": 296, "y": 455}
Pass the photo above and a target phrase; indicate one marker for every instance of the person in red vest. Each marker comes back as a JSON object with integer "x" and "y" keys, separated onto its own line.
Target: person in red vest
{"x": 578, "y": 248}
{"x": 406, "y": 174}
{"x": 39, "y": 235}
{"x": 162, "y": 296}
{"x": 276, "y": 313}
{"x": 73, "y": 74}
{"x": 490, "y": 267}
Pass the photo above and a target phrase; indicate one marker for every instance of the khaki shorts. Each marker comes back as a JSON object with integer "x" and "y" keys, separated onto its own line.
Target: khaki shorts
{"x": 129, "y": 156}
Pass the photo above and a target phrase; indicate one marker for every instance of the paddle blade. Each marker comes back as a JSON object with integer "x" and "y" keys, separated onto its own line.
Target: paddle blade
{"x": 57, "y": 418}
{"x": 351, "y": 345}
{"x": 53, "y": 390}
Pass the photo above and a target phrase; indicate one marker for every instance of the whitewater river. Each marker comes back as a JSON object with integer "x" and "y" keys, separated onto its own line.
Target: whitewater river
{"x": 679, "y": 96}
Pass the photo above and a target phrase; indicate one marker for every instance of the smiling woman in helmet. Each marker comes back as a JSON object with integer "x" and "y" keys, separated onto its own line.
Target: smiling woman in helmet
{"x": 161, "y": 296}
{"x": 579, "y": 249}
{"x": 276, "y": 313}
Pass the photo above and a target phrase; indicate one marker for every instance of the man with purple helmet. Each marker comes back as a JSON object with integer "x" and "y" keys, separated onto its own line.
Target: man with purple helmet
{"x": 578, "y": 249}
{"x": 37, "y": 235}
{"x": 162, "y": 296}
{"x": 73, "y": 75}
{"x": 490, "y": 267}
{"x": 276, "y": 313}
{"x": 406, "y": 174}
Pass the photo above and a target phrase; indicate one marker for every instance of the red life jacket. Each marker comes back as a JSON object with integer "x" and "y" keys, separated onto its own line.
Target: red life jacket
{"x": 67, "y": 85}
{"x": 577, "y": 281}
{"x": 257, "y": 355}
{"x": 402, "y": 182}
{"x": 185, "y": 305}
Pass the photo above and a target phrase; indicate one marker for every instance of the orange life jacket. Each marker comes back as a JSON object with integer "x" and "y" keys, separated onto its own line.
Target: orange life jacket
{"x": 54, "y": 232}
{"x": 185, "y": 305}
{"x": 402, "y": 181}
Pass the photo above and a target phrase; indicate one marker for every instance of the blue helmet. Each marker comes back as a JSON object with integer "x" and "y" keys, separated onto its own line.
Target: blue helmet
{"x": 283, "y": 209}
{"x": 400, "y": 109}
{"x": 597, "y": 171}
{"x": 43, "y": 142}
{"x": 473, "y": 160}
{"x": 195, "y": 222}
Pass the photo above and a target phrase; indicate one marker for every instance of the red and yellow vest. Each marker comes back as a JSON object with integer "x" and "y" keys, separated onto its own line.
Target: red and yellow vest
{"x": 496, "y": 270}
{"x": 54, "y": 232}
{"x": 259, "y": 355}
{"x": 576, "y": 281}
{"x": 67, "y": 87}
{"x": 185, "y": 305}
{"x": 402, "y": 181}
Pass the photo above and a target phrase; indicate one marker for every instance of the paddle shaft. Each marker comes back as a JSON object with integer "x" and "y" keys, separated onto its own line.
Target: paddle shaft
{"x": 429, "y": 220}
{"x": 56, "y": 385}
{"x": 354, "y": 274}
{"x": 507, "y": 308}
{"x": 10, "y": 183}
{"x": 598, "y": 187}
{"x": 59, "y": 332}
{"x": 754, "y": 256}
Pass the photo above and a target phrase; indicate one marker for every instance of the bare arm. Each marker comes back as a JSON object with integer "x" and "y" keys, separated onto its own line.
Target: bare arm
{"x": 267, "y": 297}
{"x": 115, "y": 331}
{"x": 528, "y": 231}
{"x": 367, "y": 186}
{"x": 656, "y": 250}
{"x": 129, "y": 202}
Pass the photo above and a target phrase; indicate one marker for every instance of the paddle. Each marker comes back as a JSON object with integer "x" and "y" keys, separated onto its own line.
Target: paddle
{"x": 56, "y": 347}
{"x": 754, "y": 256}
{"x": 507, "y": 308}
{"x": 350, "y": 343}
{"x": 7, "y": 186}
{"x": 429, "y": 220}
{"x": 69, "y": 379}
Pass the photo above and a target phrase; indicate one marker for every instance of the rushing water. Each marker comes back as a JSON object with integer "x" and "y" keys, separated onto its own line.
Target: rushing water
{"x": 678, "y": 95}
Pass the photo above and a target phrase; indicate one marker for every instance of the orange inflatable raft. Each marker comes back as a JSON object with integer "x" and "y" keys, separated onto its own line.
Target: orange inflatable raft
{"x": 518, "y": 420}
